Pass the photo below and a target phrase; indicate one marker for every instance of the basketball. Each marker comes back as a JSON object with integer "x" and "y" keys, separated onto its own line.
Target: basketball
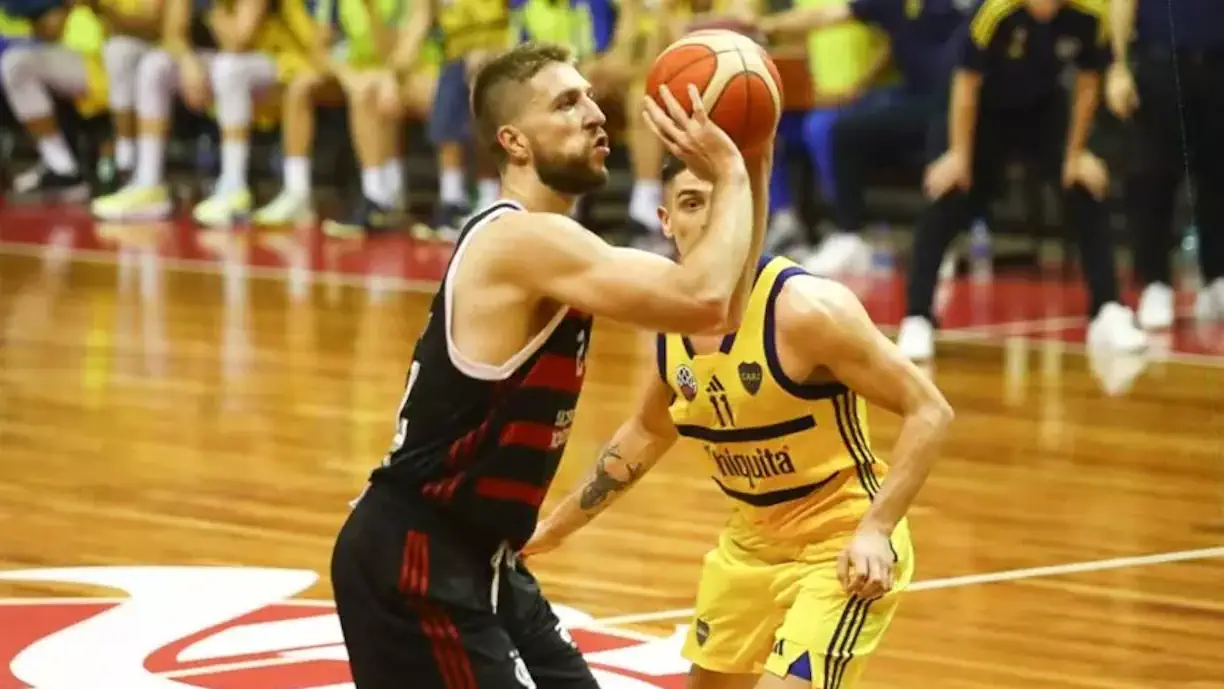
{"x": 737, "y": 80}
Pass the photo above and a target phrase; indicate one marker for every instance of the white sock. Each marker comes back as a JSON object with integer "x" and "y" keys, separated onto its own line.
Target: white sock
{"x": 393, "y": 177}
{"x": 451, "y": 191}
{"x": 644, "y": 202}
{"x": 125, "y": 154}
{"x": 372, "y": 185}
{"x": 234, "y": 158}
{"x": 150, "y": 159}
{"x": 297, "y": 175}
{"x": 487, "y": 191}
{"x": 55, "y": 153}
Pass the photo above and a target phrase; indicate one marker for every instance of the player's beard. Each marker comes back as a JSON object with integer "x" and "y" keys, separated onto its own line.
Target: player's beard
{"x": 571, "y": 174}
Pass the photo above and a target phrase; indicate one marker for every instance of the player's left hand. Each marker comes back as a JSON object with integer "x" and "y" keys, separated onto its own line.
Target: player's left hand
{"x": 865, "y": 567}
{"x": 1087, "y": 170}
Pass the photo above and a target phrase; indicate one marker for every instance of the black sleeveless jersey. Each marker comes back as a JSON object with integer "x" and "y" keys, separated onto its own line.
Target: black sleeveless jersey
{"x": 480, "y": 442}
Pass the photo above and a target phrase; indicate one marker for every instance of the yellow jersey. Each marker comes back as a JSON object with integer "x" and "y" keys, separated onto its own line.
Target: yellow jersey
{"x": 794, "y": 458}
{"x": 470, "y": 25}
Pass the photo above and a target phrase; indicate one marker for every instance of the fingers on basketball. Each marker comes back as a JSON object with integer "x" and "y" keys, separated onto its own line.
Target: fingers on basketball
{"x": 732, "y": 77}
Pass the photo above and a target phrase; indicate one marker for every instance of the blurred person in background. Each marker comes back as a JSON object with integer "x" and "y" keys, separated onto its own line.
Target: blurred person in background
{"x": 133, "y": 28}
{"x": 1169, "y": 86}
{"x": 887, "y": 127}
{"x": 60, "y": 53}
{"x": 471, "y": 33}
{"x": 850, "y": 63}
{"x": 352, "y": 44}
{"x": 212, "y": 53}
{"x": 1008, "y": 102}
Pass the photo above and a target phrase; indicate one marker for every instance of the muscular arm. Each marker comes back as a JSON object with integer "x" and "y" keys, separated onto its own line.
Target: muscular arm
{"x": 633, "y": 450}
{"x": 832, "y": 329}
{"x": 574, "y": 266}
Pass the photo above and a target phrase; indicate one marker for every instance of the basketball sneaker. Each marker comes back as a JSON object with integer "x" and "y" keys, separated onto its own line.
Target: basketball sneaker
{"x": 1157, "y": 307}
{"x": 916, "y": 338}
{"x": 222, "y": 208}
{"x": 1209, "y": 305}
{"x": 367, "y": 217}
{"x": 288, "y": 208}
{"x": 134, "y": 203}
{"x": 1114, "y": 328}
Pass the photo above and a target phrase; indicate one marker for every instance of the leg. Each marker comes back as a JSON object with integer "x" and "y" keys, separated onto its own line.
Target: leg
{"x": 298, "y": 100}
{"x": 1207, "y": 176}
{"x": 448, "y": 130}
{"x": 827, "y": 637}
{"x": 387, "y": 568}
{"x": 375, "y": 143}
{"x": 1155, "y": 168}
{"x": 121, "y": 57}
{"x": 646, "y": 162}
{"x": 28, "y": 75}
{"x": 545, "y": 646}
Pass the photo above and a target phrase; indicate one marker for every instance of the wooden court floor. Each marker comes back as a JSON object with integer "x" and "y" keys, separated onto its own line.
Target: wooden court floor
{"x": 153, "y": 417}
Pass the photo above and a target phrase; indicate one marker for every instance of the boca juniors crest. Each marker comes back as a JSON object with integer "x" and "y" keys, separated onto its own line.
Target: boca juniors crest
{"x": 232, "y": 628}
{"x": 687, "y": 381}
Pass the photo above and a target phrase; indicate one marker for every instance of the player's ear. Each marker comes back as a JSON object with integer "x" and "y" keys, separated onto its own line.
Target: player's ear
{"x": 514, "y": 143}
{"x": 664, "y": 217}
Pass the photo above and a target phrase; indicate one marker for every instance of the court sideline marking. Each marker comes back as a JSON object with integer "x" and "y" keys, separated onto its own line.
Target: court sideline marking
{"x": 976, "y": 579}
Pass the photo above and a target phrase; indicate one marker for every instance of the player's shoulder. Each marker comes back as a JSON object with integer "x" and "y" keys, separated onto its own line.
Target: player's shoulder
{"x": 991, "y": 15}
{"x": 808, "y": 303}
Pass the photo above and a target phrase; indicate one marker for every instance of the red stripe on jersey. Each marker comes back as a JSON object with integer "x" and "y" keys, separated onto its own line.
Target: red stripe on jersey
{"x": 554, "y": 372}
{"x": 536, "y": 436}
{"x": 452, "y": 658}
{"x": 509, "y": 489}
{"x": 442, "y": 489}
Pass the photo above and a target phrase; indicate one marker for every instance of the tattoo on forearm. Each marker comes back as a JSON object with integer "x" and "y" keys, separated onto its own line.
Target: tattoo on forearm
{"x": 602, "y": 484}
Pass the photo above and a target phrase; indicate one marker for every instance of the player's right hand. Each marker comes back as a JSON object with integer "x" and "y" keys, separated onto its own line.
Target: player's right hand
{"x": 1120, "y": 93}
{"x": 951, "y": 171}
{"x": 703, "y": 146}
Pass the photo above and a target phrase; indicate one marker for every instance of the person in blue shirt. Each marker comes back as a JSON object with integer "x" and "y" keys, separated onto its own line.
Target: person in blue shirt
{"x": 920, "y": 34}
{"x": 1169, "y": 89}
{"x": 1007, "y": 102}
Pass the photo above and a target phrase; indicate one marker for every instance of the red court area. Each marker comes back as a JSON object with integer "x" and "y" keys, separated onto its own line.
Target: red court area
{"x": 1021, "y": 303}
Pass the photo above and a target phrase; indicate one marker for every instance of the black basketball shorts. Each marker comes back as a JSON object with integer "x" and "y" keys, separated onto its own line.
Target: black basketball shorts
{"x": 415, "y": 605}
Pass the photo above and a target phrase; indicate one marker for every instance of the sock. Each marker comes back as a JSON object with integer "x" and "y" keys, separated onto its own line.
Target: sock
{"x": 234, "y": 157}
{"x": 487, "y": 191}
{"x": 393, "y": 178}
{"x": 644, "y": 202}
{"x": 56, "y": 154}
{"x": 451, "y": 191}
{"x": 125, "y": 154}
{"x": 372, "y": 185}
{"x": 297, "y": 175}
{"x": 150, "y": 158}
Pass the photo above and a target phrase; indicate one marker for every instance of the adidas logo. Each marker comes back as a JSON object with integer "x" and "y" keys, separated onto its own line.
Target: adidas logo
{"x": 715, "y": 386}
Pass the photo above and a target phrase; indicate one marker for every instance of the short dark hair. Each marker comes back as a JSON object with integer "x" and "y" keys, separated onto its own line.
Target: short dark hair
{"x": 672, "y": 166}
{"x": 493, "y": 99}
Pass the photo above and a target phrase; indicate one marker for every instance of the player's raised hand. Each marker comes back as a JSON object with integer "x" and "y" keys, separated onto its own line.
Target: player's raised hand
{"x": 865, "y": 567}
{"x": 695, "y": 139}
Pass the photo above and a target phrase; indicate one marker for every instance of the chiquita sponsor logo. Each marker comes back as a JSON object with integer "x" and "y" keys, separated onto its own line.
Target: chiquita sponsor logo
{"x": 754, "y": 465}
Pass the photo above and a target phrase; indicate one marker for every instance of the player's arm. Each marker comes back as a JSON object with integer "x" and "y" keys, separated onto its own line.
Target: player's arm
{"x": 978, "y": 41}
{"x": 1122, "y": 29}
{"x": 830, "y": 325}
{"x": 760, "y": 168}
{"x": 412, "y": 36}
{"x": 633, "y": 450}
{"x": 1086, "y": 97}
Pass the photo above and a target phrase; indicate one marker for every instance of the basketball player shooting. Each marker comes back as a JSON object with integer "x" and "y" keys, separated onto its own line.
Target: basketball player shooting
{"x": 805, "y": 577}
{"x": 427, "y": 586}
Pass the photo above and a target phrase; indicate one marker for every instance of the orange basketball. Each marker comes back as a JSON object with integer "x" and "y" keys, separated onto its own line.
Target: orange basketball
{"x": 737, "y": 80}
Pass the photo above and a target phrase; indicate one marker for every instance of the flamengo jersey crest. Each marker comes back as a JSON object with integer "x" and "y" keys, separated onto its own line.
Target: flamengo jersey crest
{"x": 231, "y": 628}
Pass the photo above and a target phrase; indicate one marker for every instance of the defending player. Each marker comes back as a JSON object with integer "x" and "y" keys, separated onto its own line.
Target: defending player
{"x": 805, "y": 577}
{"x": 427, "y": 586}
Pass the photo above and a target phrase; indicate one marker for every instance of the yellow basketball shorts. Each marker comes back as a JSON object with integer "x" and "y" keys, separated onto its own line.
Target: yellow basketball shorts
{"x": 783, "y": 611}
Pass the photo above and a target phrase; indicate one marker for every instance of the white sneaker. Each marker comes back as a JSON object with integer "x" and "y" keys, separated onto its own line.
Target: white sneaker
{"x": 222, "y": 208}
{"x": 916, "y": 340}
{"x": 1157, "y": 308}
{"x": 841, "y": 252}
{"x": 287, "y": 208}
{"x": 1209, "y": 306}
{"x": 1114, "y": 329}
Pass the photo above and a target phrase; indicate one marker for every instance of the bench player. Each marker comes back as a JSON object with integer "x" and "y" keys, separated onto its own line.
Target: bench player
{"x": 427, "y": 586}
{"x": 805, "y": 577}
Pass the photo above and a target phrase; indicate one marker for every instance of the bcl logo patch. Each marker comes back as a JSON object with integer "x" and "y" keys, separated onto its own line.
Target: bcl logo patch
{"x": 687, "y": 381}
{"x": 233, "y": 628}
{"x": 750, "y": 375}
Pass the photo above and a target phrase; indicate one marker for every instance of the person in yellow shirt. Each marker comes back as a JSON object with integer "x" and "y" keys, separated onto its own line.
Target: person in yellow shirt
{"x": 60, "y": 54}
{"x": 352, "y": 44}
{"x": 219, "y": 54}
{"x": 807, "y": 574}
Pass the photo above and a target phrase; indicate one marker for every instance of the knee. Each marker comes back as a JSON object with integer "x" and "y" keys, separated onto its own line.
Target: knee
{"x": 227, "y": 73}
{"x": 301, "y": 90}
{"x": 16, "y": 64}
{"x": 155, "y": 67}
{"x": 121, "y": 55}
